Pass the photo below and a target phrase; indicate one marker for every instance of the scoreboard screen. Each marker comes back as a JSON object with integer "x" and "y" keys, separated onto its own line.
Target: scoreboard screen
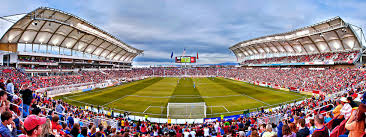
{"x": 185, "y": 59}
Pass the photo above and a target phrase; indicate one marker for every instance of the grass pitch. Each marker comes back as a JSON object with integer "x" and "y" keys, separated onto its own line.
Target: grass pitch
{"x": 153, "y": 94}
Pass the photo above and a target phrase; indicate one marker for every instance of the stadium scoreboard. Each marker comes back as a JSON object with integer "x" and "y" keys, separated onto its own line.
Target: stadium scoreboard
{"x": 185, "y": 59}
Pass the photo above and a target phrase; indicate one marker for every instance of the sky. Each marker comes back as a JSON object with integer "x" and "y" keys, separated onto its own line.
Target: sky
{"x": 208, "y": 27}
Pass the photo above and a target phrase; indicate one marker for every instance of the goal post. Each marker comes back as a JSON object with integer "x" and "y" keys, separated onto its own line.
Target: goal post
{"x": 186, "y": 110}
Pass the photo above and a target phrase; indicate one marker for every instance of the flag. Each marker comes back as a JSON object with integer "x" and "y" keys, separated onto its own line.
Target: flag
{"x": 197, "y": 55}
{"x": 184, "y": 51}
{"x": 171, "y": 55}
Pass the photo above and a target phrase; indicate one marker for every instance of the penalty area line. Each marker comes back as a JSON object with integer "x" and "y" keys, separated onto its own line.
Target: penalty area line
{"x": 113, "y": 101}
{"x": 225, "y": 108}
{"x": 255, "y": 99}
{"x": 146, "y": 109}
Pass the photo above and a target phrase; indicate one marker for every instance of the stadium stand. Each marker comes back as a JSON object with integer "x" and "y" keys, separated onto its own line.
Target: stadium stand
{"x": 337, "y": 107}
{"x": 306, "y": 118}
{"x": 339, "y": 57}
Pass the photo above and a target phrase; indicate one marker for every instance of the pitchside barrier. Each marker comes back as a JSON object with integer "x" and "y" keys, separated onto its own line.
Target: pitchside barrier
{"x": 66, "y": 89}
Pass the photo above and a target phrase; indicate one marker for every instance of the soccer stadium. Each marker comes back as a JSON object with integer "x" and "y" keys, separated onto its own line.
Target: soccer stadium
{"x": 76, "y": 71}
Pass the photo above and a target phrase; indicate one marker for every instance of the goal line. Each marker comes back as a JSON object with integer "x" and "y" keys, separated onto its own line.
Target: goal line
{"x": 186, "y": 110}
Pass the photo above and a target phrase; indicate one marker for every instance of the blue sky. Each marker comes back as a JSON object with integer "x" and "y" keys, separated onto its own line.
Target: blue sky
{"x": 209, "y": 27}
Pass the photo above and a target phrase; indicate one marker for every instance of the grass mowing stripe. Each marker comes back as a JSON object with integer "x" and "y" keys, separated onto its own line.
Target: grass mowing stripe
{"x": 117, "y": 93}
{"x": 239, "y": 89}
{"x": 139, "y": 95}
{"x": 276, "y": 90}
{"x": 266, "y": 95}
{"x": 96, "y": 92}
{"x": 229, "y": 100}
{"x": 186, "y": 88}
{"x": 155, "y": 95}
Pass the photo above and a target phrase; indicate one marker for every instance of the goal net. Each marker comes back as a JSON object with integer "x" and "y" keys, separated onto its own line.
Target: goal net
{"x": 186, "y": 110}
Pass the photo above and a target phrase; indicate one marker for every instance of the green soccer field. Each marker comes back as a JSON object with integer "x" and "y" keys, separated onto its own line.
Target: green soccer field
{"x": 151, "y": 96}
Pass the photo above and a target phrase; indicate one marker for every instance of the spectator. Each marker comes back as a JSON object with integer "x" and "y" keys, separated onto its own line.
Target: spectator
{"x": 286, "y": 131}
{"x": 279, "y": 129}
{"x": 262, "y": 129}
{"x": 93, "y": 131}
{"x": 254, "y": 133}
{"x": 70, "y": 121}
{"x": 269, "y": 132}
{"x": 3, "y": 101}
{"x": 47, "y": 130}
{"x": 7, "y": 119}
{"x": 2, "y": 84}
{"x": 356, "y": 123}
{"x": 351, "y": 102}
{"x": 65, "y": 128}
{"x": 55, "y": 126}
{"x": 186, "y": 133}
{"x": 10, "y": 87}
{"x": 206, "y": 132}
{"x": 321, "y": 130}
{"x": 50, "y": 115}
{"x": 60, "y": 109}
{"x": 303, "y": 130}
{"x": 312, "y": 126}
{"x": 27, "y": 99}
{"x": 109, "y": 130}
{"x": 101, "y": 130}
{"x": 337, "y": 109}
{"x": 75, "y": 130}
{"x": 345, "y": 112}
{"x": 293, "y": 127}
{"x": 363, "y": 98}
{"x": 84, "y": 132}
{"x": 32, "y": 126}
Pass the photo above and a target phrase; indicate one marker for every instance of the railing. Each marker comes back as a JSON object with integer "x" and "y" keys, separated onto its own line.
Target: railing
{"x": 269, "y": 119}
{"x": 95, "y": 120}
{"x": 21, "y": 119}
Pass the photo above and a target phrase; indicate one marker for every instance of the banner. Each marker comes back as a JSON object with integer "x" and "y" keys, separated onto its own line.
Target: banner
{"x": 6, "y": 70}
{"x": 316, "y": 91}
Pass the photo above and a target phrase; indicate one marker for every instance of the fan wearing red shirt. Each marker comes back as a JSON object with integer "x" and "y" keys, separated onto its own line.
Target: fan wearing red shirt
{"x": 55, "y": 125}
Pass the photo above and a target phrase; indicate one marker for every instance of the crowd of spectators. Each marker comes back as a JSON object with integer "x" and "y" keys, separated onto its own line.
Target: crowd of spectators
{"x": 340, "y": 115}
{"x": 327, "y": 80}
{"x": 341, "y": 57}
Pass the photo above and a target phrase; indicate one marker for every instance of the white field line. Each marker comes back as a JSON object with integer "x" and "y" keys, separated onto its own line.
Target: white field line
{"x": 107, "y": 88}
{"x": 281, "y": 91}
{"x": 88, "y": 93}
{"x": 146, "y": 109}
{"x": 269, "y": 88}
{"x": 78, "y": 101}
{"x": 255, "y": 99}
{"x": 193, "y": 96}
{"x": 113, "y": 101}
{"x": 226, "y": 109}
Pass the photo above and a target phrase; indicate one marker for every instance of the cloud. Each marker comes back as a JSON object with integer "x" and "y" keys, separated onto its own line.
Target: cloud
{"x": 209, "y": 27}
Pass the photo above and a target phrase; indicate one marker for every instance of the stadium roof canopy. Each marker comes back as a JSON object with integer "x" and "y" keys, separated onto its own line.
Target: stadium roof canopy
{"x": 332, "y": 35}
{"x": 49, "y": 26}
